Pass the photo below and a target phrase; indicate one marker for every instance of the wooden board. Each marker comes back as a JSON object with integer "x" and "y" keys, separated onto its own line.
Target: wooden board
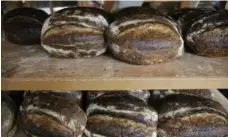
{"x": 38, "y": 71}
{"x": 217, "y": 97}
{"x": 226, "y": 5}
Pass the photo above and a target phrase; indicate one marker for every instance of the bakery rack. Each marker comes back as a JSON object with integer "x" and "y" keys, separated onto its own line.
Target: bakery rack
{"x": 31, "y": 68}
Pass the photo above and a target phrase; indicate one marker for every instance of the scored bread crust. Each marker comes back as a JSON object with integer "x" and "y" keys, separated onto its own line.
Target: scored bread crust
{"x": 207, "y": 36}
{"x": 121, "y": 114}
{"x": 180, "y": 116}
{"x": 44, "y": 115}
{"x": 146, "y": 39}
{"x": 75, "y": 33}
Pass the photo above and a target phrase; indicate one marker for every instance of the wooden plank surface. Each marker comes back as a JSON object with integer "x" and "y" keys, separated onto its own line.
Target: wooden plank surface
{"x": 38, "y": 71}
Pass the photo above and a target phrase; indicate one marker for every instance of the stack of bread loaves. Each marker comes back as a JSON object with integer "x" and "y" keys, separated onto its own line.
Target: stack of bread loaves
{"x": 119, "y": 114}
{"x": 52, "y": 114}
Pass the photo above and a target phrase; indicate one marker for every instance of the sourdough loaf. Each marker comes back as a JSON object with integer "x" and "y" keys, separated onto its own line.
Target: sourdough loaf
{"x": 191, "y": 116}
{"x": 144, "y": 36}
{"x": 48, "y": 115}
{"x": 208, "y": 35}
{"x": 8, "y": 117}
{"x": 160, "y": 94}
{"x": 141, "y": 94}
{"x": 75, "y": 96}
{"x": 185, "y": 16}
{"x": 75, "y": 32}
{"x": 120, "y": 115}
{"x": 23, "y": 25}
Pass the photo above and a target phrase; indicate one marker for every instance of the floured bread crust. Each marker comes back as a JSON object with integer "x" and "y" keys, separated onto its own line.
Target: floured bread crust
{"x": 207, "y": 36}
{"x": 146, "y": 39}
{"x": 141, "y": 94}
{"x": 75, "y": 96}
{"x": 160, "y": 94}
{"x": 75, "y": 33}
{"x": 118, "y": 114}
{"x": 185, "y": 16}
{"x": 191, "y": 116}
{"x": 44, "y": 115}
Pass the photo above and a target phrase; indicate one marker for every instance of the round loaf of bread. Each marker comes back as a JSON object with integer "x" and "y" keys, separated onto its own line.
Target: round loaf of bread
{"x": 75, "y": 96}
{"x": 8, "y": 117}
{"x": 191, "y": 116}
{"x": 141, "y": 94}
{"x": 208, "y": 35}
{"x": 160, "y": 94}
{"x": 75, "y": 32}
{"x": 185, "y": 16}
{"x": 144, "y": 37}
{"x": 23, "y": 25}
{"x": 46, "y": 115}
{"x": 121, "y": 115}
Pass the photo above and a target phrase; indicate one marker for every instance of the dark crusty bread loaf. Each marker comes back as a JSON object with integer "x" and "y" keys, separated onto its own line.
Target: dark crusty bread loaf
{"x": 157, "y": 95}
{"x": 121, "y": 115}
{"x": 8, "y": 117}
{"x": 185, "y": 16}
{"x": 75, "y": 96}
{"x": 75, "y": 32}
{"x": 23, "y": 25}
{"x": 46, "y": 115}
{"x": 191, "y": 116}
{"x": 144, "y": 36}
{"x": 141, "y": 94}
{"x": 160, "y": 94}
{"x": 208, "y": 35}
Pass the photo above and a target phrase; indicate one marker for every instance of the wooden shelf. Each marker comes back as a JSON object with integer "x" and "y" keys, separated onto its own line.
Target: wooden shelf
{"x": 30, "y": 68}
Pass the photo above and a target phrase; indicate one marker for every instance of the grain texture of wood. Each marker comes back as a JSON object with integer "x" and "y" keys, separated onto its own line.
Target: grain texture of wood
{"x": 38, "y": 71}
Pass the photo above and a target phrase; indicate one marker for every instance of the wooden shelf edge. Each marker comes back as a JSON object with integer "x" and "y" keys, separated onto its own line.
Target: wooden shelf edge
{"x": 113, "y": 84}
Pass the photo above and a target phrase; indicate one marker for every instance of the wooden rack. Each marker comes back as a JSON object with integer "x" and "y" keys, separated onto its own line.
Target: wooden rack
{"x": 30, "y": 68}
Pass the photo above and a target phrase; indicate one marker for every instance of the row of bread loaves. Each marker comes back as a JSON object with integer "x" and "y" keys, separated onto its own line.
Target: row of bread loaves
{"x": 122, "y": 114}
{"x": 137, "y": 35}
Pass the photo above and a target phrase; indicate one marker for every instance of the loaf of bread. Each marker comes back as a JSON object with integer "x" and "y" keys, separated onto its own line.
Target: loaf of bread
{"x": 160, "y": 94}
{"x": 144, "y": 36}
{"x": 23, "y": 25}
{"x": 75, "y": 96}
{"x": 120, "y": 115}
{"x": 141, "y": 94}
{"x": 157, "y": 95}
{"x": 207, "y": 35}
{"x": 191, "y": 116}
{"x": 75, "y": 32}
{"x": 8, "y": 117}
{"x": 48, "y": 115}
{"x": 185, "y": 16}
